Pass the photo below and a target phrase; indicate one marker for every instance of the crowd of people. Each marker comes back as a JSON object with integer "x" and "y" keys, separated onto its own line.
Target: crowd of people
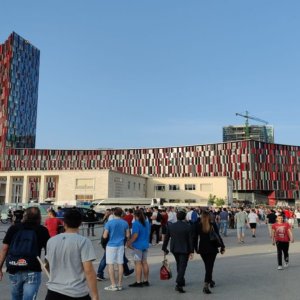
{"x": 182, "y": 232}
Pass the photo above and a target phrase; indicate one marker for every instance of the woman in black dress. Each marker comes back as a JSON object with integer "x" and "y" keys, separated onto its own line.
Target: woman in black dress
{"x": 207, "y": 249}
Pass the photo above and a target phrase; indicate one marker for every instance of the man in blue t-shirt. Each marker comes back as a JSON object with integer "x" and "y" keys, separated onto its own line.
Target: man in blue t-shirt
{"x": 117, "y": 232}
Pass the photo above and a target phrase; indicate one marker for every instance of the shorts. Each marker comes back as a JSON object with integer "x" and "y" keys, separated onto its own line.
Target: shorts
{"x": 164, "y": 229}
{"x": 252, "y": 225}
{"x": 115, "y": 255}
{"x": 139, "y": 255}
{"x": 240, "y": 229}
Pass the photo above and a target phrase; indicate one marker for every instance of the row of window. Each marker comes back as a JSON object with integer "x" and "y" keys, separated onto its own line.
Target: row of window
{"x": 206, "y": 187}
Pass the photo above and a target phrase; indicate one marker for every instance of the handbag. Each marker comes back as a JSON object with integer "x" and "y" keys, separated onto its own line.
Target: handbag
{"x": 215, "y": 238}
{"x": 165, "y": 270}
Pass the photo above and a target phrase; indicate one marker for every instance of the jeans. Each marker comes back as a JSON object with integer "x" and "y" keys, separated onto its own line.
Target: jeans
{"x": 223, "y": 226}
{"x": 282, "y": 247}
{"x": 25, "y": 285}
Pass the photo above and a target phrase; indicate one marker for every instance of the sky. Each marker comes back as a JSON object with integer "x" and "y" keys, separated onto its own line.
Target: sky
{"x": 159, "y": 73}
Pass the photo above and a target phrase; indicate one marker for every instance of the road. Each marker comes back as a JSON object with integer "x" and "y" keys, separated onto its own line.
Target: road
{"x": 245, "y": 271}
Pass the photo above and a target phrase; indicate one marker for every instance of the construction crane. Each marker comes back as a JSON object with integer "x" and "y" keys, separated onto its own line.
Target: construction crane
{"x": 247, "y": 117}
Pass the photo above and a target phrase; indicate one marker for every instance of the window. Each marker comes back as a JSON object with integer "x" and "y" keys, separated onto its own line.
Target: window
{"x": 128, "y": 185}
{"x": 190, "y": 201}
{"x": 206, "y": 187}
{"x": 174, "y": 187}
{"x": 190, "y": 187}
{"x": 134, "y": 185}
{"x": 160, "y": 187}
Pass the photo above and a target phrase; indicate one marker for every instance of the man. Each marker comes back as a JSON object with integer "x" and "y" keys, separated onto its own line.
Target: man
{"x": 271, "y": 219}
{"x": 241, "y": 221}
{"x": 181, "y": 247}
{"x": 282, "y": 235}
{"x": 155, "y": 226}
{"x": 70, "y": 256}
{"x": 224, "y": 218}
{"x": 117, "y": 232}
{"x": 23, "y": 267}
{"x": 91, "y": 218}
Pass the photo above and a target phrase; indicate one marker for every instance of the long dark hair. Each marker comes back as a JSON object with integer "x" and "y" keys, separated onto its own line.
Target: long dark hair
{"x": 140, "y": 215}
{"x": 205, "y": 221}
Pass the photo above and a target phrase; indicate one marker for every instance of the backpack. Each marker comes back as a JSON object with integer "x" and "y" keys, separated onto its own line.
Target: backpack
{"x": 22, "y": 251}
{"x": 158, "y": 217}
{"x": 194, "y": 217}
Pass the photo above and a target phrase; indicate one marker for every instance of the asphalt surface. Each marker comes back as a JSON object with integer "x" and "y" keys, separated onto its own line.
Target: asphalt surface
{"x": 245, "y": 271}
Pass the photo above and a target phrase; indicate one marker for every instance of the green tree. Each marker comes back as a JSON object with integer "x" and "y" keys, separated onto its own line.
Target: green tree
{"x": 211, "y": 199}
{"x": 219, "y": 202}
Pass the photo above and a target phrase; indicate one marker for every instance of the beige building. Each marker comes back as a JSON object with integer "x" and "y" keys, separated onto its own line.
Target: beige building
{"x": 189, "y": 190}
{"x": 89, "y": 185}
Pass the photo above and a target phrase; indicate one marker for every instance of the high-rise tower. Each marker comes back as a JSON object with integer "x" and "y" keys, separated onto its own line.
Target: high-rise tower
{"x": 19, "y": 78}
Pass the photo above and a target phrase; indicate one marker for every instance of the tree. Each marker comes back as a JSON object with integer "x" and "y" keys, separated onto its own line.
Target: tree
{"x": 219, "y": 202}
{"x": 211, "y": 199}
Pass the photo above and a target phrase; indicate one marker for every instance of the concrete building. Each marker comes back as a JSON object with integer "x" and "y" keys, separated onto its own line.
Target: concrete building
{"x": 262, "y": 133}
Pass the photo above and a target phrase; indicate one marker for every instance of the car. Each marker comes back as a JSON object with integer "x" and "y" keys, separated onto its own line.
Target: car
{"x": 83, "y": 211}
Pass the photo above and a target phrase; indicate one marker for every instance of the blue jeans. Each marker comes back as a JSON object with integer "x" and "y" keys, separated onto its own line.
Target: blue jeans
{"x": 25, "y": 285}
{"x": 223, "y": 226}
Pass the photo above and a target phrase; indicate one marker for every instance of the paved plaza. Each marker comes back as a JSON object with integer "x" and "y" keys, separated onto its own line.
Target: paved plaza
{"x": 247, "y": 271}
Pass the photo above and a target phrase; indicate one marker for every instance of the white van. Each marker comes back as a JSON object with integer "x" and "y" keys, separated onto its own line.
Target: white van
{"x": 102, "y": 204}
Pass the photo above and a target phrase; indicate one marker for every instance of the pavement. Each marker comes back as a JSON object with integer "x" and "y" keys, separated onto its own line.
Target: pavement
{"x": 245, "y": 271}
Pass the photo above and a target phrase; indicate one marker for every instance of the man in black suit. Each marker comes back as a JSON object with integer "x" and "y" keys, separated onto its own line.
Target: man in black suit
{"x": 181, "y": 246}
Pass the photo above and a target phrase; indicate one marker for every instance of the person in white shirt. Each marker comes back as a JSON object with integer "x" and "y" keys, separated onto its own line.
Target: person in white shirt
{"x": 172, "y": 218}
{"x": 252, "y": 220}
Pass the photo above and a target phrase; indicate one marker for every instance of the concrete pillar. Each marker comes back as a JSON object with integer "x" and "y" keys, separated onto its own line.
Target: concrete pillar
{"x": 42, "y": 188}
{"x": 8, "y": 190}
{"x": 25, "y": 192}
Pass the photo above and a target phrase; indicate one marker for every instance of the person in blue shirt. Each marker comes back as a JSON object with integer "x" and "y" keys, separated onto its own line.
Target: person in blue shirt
{"x": 139, "y": 243}
{"x": 117, "y": 231}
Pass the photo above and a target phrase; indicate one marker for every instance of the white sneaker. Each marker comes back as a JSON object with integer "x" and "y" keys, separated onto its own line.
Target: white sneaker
{"x": 111, "y": 288}
{"x": 280, "y": 268}
{"x": 286, "y": 264}
{"x": 119, "y": 287}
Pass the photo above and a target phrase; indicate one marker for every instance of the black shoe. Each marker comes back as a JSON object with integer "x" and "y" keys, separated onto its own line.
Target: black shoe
{"x": 206, "y": 290}
{"x": 212, "y": 284}
{"x": 179, "y": 289}
{"x": 146, "y": 283}
{"x": 100, "y": 278}
{"x": 129, "y": 273}
{"x": 136, "y": 284}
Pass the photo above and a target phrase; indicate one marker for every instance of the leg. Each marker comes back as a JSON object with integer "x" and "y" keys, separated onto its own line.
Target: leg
{"x": 31, "y": 285}
{"x": 102, "y": 265}
{"x": 157, "y": 232}
{"x": 145, "y": 270}
{"x": 151, "y": 234}
{"x": 225, "y": 224}
{"x": 279, "y": 253}
{"x": 181, "y": 261}
{"x": 111, "y": 273}
{"x": 120, "y": 274}
{"x": 16, "y": 286}
{"x": 209, "y": 261}
{"x": 138, "y": 271}
{"x": 285, "y": 249}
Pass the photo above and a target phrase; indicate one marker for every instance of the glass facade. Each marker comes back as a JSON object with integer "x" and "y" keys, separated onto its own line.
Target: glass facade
{"x": 19, "y": 78}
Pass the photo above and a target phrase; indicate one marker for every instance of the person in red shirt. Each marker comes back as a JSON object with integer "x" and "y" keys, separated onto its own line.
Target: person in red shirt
{"x": 128, "y": 217}
{"x": 282, "y": 235}
{"x": 52, "y": 223}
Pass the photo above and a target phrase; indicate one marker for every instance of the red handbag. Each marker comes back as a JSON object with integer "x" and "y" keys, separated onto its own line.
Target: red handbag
{"x": 165, "y": 271}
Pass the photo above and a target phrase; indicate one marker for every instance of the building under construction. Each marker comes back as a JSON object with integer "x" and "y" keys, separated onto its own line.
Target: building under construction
{"x": 261, "y": 133}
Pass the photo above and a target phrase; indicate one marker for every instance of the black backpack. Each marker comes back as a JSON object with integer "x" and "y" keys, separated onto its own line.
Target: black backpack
{"x": 22, "y": 251}
{"x": 158, "y": 217}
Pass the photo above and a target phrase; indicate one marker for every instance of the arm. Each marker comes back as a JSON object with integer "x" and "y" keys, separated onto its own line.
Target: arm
{"x": 105, "y": 233}
{"x": 131, "y": 240}
{"x": 290, "y": 233}
{"x": 90, "y": 275}
{"x": 273, "y": 236}
{"x": 3, "y": 254}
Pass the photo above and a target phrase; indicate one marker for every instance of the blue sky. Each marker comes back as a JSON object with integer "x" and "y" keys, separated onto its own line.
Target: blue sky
{"x": 137, "y": 73}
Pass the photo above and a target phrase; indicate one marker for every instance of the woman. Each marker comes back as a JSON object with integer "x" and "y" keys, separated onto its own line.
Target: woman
{"x": 52, "y": 223}
{"x": 139, "y": 243}
{"x": 207, "y": 250}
